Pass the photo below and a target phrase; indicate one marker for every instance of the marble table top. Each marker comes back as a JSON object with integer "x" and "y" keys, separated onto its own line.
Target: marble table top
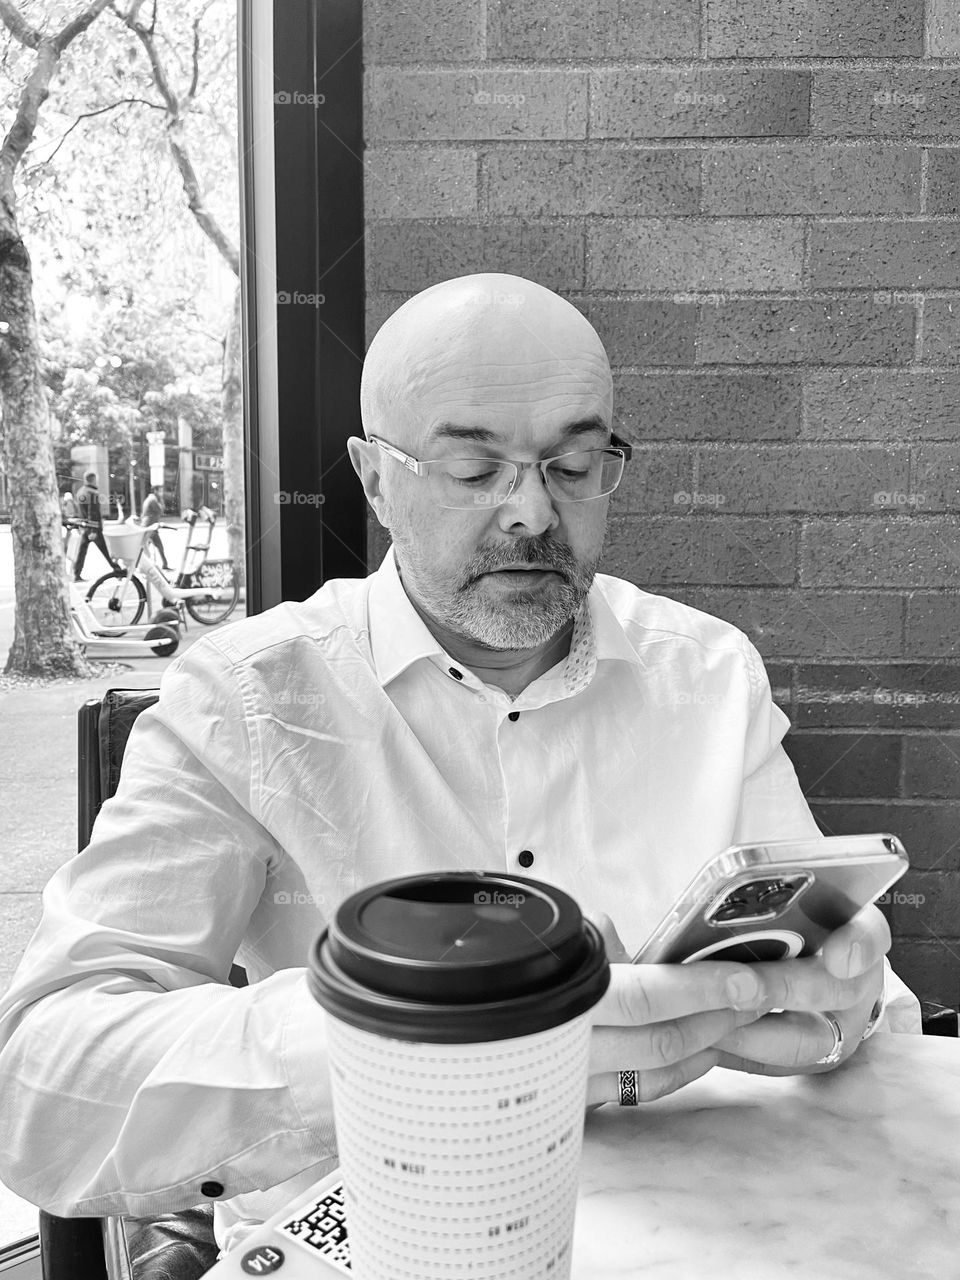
{"x": 850, "y": 1175}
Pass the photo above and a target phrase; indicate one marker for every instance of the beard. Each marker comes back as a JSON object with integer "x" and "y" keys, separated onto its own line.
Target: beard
{"x": 521, "y": 618}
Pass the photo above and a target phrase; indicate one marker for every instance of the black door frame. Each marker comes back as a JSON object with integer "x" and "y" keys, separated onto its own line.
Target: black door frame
{"x": 301, "y": 160}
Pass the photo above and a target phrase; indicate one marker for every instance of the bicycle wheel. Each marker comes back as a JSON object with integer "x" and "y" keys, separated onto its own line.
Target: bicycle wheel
{"x": 116, "y": 600}
{"x": 220, "y": 579}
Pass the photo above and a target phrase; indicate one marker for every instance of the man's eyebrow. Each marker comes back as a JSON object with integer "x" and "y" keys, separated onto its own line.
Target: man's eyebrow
{"x": 484, "y": 435}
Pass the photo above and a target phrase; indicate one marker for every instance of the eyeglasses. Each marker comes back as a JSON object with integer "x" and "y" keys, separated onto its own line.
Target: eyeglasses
{"x": 462, "y": 484}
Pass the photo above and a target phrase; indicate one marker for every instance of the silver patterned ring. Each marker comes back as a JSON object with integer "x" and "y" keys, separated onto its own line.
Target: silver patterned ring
{"x": 628, "y": 1083}
{"x": 836, "y": 1052}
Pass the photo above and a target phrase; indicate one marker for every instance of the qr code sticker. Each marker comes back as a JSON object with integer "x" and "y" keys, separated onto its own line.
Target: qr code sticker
{"x": 320, "y": 1225}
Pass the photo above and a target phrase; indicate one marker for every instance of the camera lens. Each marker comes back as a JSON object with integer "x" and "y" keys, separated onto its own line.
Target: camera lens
{"x": 731, "y": 909}
{"x": 775, "y": 894}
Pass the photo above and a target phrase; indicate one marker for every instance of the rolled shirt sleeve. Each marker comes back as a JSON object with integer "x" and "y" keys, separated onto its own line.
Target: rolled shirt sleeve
{"x": 131, "y": 1071}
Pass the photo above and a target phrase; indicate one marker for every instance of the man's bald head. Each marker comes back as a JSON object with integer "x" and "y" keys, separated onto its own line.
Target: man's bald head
{"x": 473, "y": 340}
{"x": 493, "y": 367}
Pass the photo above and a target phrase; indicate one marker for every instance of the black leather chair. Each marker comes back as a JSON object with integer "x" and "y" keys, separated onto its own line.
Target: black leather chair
{"x": 171, "y": 1246}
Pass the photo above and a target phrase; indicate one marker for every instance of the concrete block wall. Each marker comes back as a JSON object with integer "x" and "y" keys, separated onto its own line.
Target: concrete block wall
{"x": 758, "y": 206}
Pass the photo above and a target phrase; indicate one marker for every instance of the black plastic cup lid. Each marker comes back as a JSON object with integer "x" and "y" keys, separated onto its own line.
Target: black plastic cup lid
{"x": 458, "y": 957}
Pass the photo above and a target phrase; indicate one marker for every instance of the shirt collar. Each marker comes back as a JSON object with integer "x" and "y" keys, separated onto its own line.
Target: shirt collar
{"x": 399, "y": 637}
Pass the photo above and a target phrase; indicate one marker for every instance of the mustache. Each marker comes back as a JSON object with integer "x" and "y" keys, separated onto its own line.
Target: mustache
{"x": 535, "y": 551}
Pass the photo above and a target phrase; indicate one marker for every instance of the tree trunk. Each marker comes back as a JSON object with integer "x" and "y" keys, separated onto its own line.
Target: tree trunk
{"x": 43, "y": 640}
{"x": 232, "y": 408}
{"x": 43, "y": 643}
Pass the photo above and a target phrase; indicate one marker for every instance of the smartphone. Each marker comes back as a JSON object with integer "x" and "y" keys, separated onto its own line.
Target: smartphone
{"x": 775, "y": 900}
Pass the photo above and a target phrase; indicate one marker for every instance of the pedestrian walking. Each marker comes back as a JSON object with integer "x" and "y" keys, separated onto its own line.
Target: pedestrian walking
{"x": 68, "y": 505}
{"x": 150, "y": 517}
{"x": 88, "y": 500}
{"x": 68, "y": 511}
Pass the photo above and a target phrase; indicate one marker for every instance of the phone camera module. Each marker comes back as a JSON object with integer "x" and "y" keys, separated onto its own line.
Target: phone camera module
{"x": 775, "y": 894}
{"x": 754, "y": 901}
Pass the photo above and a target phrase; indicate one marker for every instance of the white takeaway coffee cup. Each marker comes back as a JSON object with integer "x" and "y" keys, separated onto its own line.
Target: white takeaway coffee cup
{"x": 458, "y": 1026}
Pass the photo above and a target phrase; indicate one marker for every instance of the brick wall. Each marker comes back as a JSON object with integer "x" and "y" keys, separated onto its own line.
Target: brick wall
{"x": 758, "y": 206}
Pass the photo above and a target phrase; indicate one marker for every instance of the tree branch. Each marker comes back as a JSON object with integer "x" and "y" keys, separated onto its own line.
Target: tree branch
{"x": 145, "y": 36}
{"x": 196, "y": 61}
{"x": 37, "y": 87}
{"x": 191, "y": 185}
{"x": 18, "y": 26}
{"x": 86, "y": 115}
{"x": 78, "y": 25}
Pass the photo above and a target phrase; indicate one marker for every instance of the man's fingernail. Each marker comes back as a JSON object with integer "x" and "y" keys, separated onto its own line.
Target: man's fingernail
{"x": 856, "y": 959}
{"x": 743, "y": 989}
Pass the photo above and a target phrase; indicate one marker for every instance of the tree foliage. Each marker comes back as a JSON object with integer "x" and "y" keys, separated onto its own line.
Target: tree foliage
{"x": 132, "y": 296}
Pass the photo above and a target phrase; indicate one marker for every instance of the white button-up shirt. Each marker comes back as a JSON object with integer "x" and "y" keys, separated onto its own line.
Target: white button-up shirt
{"x": 294, "y": 758}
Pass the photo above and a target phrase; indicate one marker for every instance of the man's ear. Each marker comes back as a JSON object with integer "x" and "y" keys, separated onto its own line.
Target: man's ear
{"x": 366, "y": 462}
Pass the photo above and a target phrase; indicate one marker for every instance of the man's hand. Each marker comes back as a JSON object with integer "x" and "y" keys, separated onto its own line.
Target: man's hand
{"x": 845, "y": 980}
{"x": 672, "y": 1023}
{"x": 663, "y": 1020}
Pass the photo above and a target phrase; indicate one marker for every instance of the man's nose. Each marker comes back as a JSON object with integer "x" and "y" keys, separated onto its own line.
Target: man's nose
{"x": 531, "y": 503}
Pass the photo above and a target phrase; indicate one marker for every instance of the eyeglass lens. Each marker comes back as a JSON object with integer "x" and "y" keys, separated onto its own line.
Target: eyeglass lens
{"x": 462, "y": 483}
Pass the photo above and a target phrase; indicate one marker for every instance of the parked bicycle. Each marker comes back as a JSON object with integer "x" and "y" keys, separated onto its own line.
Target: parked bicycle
{"x": 207, "y": 589}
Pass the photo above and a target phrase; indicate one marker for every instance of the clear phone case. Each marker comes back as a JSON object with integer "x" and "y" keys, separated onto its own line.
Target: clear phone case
{"x": 775, "y": 900}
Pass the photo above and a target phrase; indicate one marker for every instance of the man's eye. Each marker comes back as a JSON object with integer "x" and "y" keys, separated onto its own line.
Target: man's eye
{"x": 469, "y": 474}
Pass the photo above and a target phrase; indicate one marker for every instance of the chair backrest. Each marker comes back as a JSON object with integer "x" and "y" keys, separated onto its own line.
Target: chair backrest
{"x": 180, "y": 1245}
{"x": 103, "y": 729}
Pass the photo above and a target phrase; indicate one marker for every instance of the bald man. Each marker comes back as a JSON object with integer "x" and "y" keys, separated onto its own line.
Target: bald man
{"x": 485, "y": 699}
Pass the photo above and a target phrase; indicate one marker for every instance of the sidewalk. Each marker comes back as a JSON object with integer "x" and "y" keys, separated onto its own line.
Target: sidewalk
{"x": 38, "y": 749}
{"x": 38, "y": 793}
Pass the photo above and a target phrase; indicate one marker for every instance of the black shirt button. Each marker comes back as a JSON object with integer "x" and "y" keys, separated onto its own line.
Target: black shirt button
{"x": 526, "y": 858}
{"x": 211, "y": 1189}
{"x": 514, "y": 715}
{"x": 457, "y": 675}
